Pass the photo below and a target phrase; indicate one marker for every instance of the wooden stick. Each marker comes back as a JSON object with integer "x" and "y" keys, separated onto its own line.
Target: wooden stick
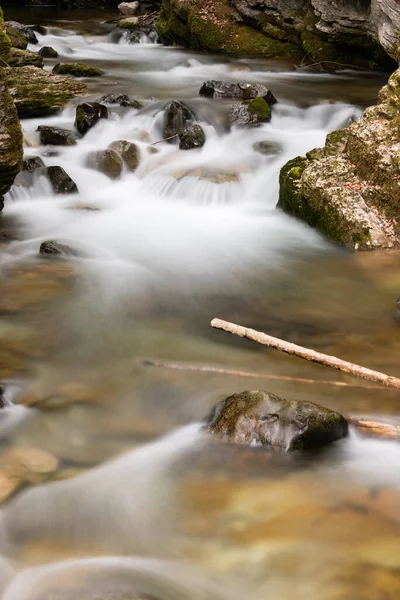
{"x": 307, "y": 353}
{"x": 171, "y": 137}
{"x": 376, "y": 428}
{"x": 233, "y": 372}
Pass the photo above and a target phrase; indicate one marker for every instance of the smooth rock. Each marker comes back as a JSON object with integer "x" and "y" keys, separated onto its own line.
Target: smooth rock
{"x": 52, "y": 248}
{"x": 107, "y": 162}
{"x": 128, "y": 9}
{"x": 61, "y": 181}
{"x": 261, "y": 418}
{"x": 250, "y": 113}
{"x": 76, "y": 69}
{"x": 177, "y": 117}
{"x": 48, "y": 52}
{"x": 32, "y": 163}
{"x": 56, "y": 136}
{"x": 239, "y": 91}
{"x": 129, "y": 152}
{"x": 88, "y": 114}
{"x": 192, "y": 137}
{"x": 121, "y": 99}
{"x": 24, "y": 58}
{"x": 24, "y": 30}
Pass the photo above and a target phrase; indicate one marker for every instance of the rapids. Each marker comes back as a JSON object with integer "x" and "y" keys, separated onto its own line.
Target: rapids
{"x": 145, "y": 503}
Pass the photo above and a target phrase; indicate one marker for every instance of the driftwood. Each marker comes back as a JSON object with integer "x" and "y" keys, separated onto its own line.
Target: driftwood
{"x": 375, "y": 428}
{"x": 307, "y": 353}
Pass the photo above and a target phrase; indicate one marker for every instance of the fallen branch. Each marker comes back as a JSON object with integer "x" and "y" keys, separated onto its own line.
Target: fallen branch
{"x": 376, "y": 428}
{"x": 171, "y": 137}
{"x": 307, "y": 353}
{"x": 235, "y": 373}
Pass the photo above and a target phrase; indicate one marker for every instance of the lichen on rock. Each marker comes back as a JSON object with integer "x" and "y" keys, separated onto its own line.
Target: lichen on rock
{"x": 11, "y": 149}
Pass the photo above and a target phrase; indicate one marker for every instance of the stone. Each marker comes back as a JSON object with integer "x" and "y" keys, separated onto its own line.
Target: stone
{"x": 349, "y": 190}
{"x": 32, "y": 163}
{"x": 129, "y": 152}
{"x": 250, "y": 113}
{"x": 76, "y": 69}
{"x": 56, "y": 136}
{"x": 213, "y": 175}
{"x": 128, "y": 9}
{"x": 29, "y": 465}
{"x": 60, "y": 180}
{"x": 24, "y": 58}
{"x": 107, "y": 162}
{"x": 16, "y": 39}
{"x": 267, "y": 148}
{"x": 121, "y": 99}
{"x": 239, "y": 91}
{"x": 397, "y": 311}
{"x": 48, "y": 52}
{"x": 37, "y": 93}
{"x": 192, "y": 137}
{"x": 11, "y": 148}
{"x": 24, "y": 30}
{"x": 52, "y": 248}
{"x": 177, "y": 117}
{"x": 5, "y": 42}
{"x": 261, "y": 418}
{"x": 88, "y": 114}
{"x": 129, "y": 23}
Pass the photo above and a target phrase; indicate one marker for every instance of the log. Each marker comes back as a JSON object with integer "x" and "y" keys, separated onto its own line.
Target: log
{"x": 307, "y": 353}
{"x": 376, "y": 428}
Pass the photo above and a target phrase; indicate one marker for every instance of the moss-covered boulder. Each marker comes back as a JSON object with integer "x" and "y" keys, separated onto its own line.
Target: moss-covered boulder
{"x": 177, "y": 117}
{"x": 17, "y": 39}
{"x": 88, "y": 114}
{"x": 129, "y": 152}
{"x": 261, "y": 418}
{"x": 24, "y": 58}
{"x": 350, "y": 189}
{"x": 106, "y": 161}
{"x": 11, "y": 148}
{"x": 48, "y": 52}
{"x": 192, "y": 137}
{"x": 250, "y": 113}
{"x": 5, "y": 43}
{"x": 237, "y": 91}
{"x": 37, "y": 93}
{"x": 77, "y": 70}
{"x": 214, "y": 25}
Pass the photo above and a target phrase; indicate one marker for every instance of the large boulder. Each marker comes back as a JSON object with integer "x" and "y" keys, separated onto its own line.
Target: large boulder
{"x": 177, "y": 117}
{"x": 88, "y": 114}
{"x": 11, "y": 147}
{"x": 128, "y": 9}
{"x": 121, "y": 100}
{"x": 77, "y": 69}
{"x": 350, "y": 189}
{"x": 237, "y": 91}
{"x": 129, "y": 152}
{"x": 24, "y": 30}
{"x": 56, "y": 136}
{"x": 60, "y": 180}
{"x": 24, "y": 58}
{"x": 261, "y": 418}
{"x": 106, "y": 161}
{"x": 37, "y": 93}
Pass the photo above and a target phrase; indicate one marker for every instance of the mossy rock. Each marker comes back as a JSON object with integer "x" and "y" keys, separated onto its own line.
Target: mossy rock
{"x": 77, "y": 70}
{"x": 37, "y": 93}
{"x": 11, "y": 148}
{"x": 24, "y": 58}
{"x": 261, "y": 418}
{"x": 17, "y": 39}
{"x": 5, "y": 43}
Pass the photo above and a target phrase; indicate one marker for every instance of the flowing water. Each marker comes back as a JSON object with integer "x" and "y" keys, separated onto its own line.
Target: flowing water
{"x": 144, "y": 502}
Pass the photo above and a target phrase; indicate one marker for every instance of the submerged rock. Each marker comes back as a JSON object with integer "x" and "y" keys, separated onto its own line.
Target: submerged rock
{"x": 32, "y": 163}
{"x": 77, "y": 69}
{"x": 267, "y": 148}
{"x": 250, "y": 113}
{"x": 36, "y": 93}
{"x": 48, "y": 52}
{"x": 52, "y": 248}
{"x": 121, "y": 99}
{"x": 350, "y": 189}
{"x": 129, "y": 152}
{"x": 88, "y": 114}
{"x": 24, "y": 58}
{"x": 107, "y": 162}
{"x": 56, "y": 136}
{"x": 177, "y": 117}
{"x": 192, "y": 137}
{"x": 259, "y": 417}
{"x": 239, "y": 91}
{"x": 61, "y": 181}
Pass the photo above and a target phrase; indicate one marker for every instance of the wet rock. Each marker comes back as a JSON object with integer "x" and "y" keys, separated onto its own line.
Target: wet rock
{"x": 61, "y": 181}
{"x": 48, "y": 52}
{"x": 11, "y": 149}
{"x": 192, "y": 137}
{"x": 128, "y": 9}
{"x": 16, "y": 38}
{"x": 177, "y": 117}
{"x": 36, "y": 93}
{"x": 23, "y": 30}
{"x": 267, "y": 148}
{"x": 239, "y": 91}
{"x": 56, "y": 136}
{"x": 259, "y": 417}
{"x": 107, "y": 162}
{"x": 24, "y": 58}
{"x": 32, "y": 163}
{"x": 52, "y": 248}
{"x": 129, "y": 152}
{"x": 121, "y": 99}
{"x": 88, "y": 114}
{"x": 250, "y": 113}
{"x": 76, "y": 69}
{"x": 129, "y": 23}
{"x": 39, "y": 29}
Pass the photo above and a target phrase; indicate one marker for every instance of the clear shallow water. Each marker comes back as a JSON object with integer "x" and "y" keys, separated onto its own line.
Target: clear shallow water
{"x": 177, "y": 515}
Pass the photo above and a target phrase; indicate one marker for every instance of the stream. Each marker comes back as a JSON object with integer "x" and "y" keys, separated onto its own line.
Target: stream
{"x": 143, "y": 502}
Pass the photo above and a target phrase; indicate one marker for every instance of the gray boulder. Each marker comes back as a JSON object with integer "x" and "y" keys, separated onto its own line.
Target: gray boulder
{"x": 32, "y": 164}
{"x": 56, "y": 136}
{"x": 239, "y": 91}
{"x": 24, "y": 30}
{"x": 192, "y": 137}
{"x": 107, "y": 162}
{"x": 128, "y": 9}
{"x": 121, "y": 99}
{"x": 129, "y": 152}
{"x": 60, "y": 180}
{"x": 250, "y": 113}
{"x": 177, "y": 117}
{"x": 261, "y": 418}
{"x": 88, "y": 114}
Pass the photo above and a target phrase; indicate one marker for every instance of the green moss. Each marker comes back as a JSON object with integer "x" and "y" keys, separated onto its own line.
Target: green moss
{"x": 77, "y": 69}
{"x": 319, "y": 50}
{"x": 5, "y": 44}
{"x": 260, "y": 108}
{"x": 17, "y": 39}
{"x": 291, "y": 199}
